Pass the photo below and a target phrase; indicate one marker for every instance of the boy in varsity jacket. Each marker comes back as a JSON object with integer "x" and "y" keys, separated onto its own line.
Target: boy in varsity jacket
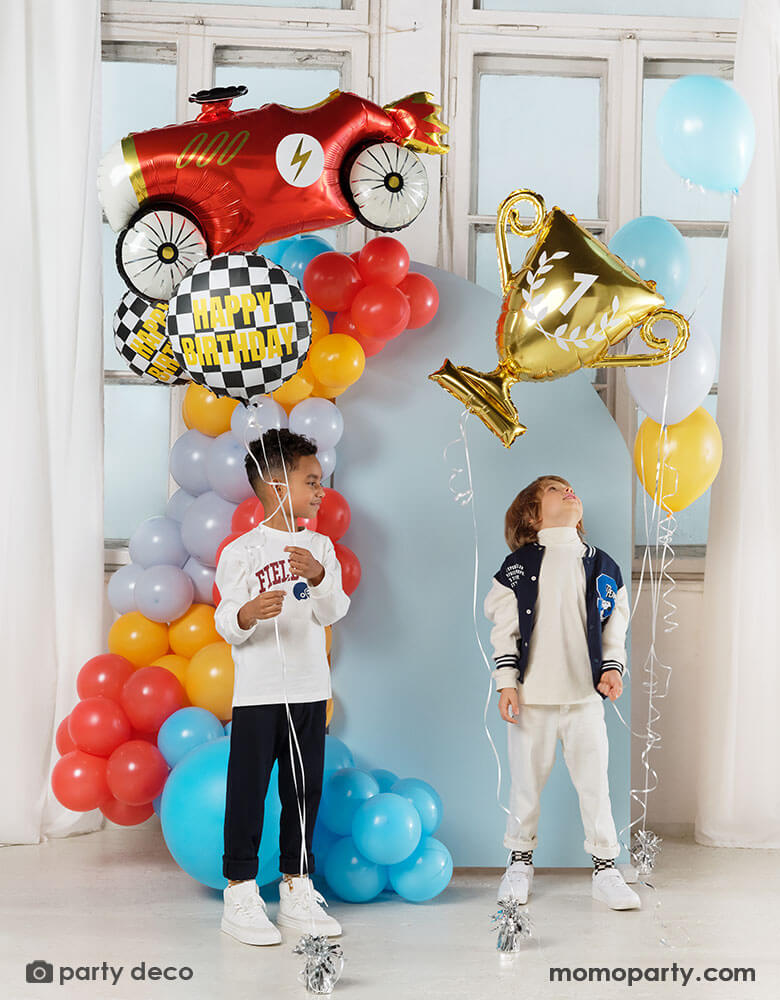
{"x": 560, "y": 611}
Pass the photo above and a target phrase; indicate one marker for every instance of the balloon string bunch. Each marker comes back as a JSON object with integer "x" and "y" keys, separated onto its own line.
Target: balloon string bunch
{"x": 324, "y": 960}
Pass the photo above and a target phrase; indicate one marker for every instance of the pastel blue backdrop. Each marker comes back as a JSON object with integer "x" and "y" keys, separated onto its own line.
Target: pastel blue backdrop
{"x": 408, "y": 676}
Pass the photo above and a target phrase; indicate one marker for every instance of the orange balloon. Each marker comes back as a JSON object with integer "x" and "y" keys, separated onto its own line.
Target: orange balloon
{"x": 337, "y": 361}
{"x": 328, "y": 638}
{"x": 320, "y": 327}
{"x": 328, "y": 711}
{"x": 293, "y": 391}
{"x": 138, "y": 639}
{"x": 210, "y": 679}
{"x": 326, "y": 392}
{"x": 194, "y": 630}
{"x": 176, "y": 664}
{"x": 203, "y": 411}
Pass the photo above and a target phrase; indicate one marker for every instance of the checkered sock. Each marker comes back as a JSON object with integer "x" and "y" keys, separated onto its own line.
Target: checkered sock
{"x": 524, "y": 856}
{"x": 599, "y": 864}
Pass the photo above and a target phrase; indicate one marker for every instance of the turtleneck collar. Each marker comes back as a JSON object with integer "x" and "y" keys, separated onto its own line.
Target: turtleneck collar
{"x": 559, "y": 536}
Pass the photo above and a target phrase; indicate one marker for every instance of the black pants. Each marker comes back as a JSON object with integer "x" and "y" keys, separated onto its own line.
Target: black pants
{"x": 258, "y": 737}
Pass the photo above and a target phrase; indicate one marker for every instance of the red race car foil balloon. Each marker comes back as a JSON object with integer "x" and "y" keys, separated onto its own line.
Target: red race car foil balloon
{"x": 229, "y": 180}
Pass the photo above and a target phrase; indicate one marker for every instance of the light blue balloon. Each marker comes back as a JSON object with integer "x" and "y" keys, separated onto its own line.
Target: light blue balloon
{"x": 344, "y": 792}
{"x": 178, "y": 504}
{"x": 248, "y": 423}
{"x": 193, "y": 816}
{"x": 656, "y": 250}
{"x": 425, "y": 799}
{"x": 206, "y": 524}
{"x": 188, "y": 462}
{"x": 226, "y": 470}
{"x": 351, "y": 876}
{"x": 121, "y": 588}
{"x": 228, "y": 727}
{"x": 386, "y": 828}
{"x": 157, "y": 541}
{"x": 273, "y": 251}
{"x": 322, "y": 841}
{"x": 385, "y": 779}
{"x": 157, "y": 803}
{"x": 186, "y": 729}
{"x": 164, "y": 593}
{"x": 423, "y": 875}
{"x": 318, "y": 419}
{"x": 202, "y": 579}
{"x": 301, "y": 252}
{"x": 706, "y": 132}
{"x": 327, "y": 460}
{"x": 337, "y": 755}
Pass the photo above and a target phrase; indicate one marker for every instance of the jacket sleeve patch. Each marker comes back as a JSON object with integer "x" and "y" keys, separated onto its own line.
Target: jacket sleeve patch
{"x": 606, "y": 590}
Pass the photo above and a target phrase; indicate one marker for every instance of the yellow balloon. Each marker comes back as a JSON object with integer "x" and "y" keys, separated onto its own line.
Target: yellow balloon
{"x": 320, "y": 327}
{"x": 176, "y": 664}
{"x": 203, "y": 411}
{"x": 679, "y": 463}
{"x": 328, "y": 711}
{"x": 138, "y": 639}
{"x": 328, "y": 639}
{"x": 210, "y": 679}
{"x": 294, "y": 390}
{"x": 337, "y": 361}
{"x": 194, "y": 630}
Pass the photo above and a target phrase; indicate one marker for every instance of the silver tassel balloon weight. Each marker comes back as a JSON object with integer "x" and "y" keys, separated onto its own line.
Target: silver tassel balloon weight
{"x": 645, "y": 848}
{"x": 324, "y": 963}
{"x": 513, "y": 924}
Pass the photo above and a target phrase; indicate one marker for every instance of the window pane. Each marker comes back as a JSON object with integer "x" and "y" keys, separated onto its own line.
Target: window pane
{"x": 293, "y": 86}
{"x": 702, "y": 301}
{"x": 531, "y": 129}
{"x": 664, "y": 192}
{"x": 657, "y": 8}
{"x": 137, "y": 95}
{"x": 137, "y": 431}
{"x": 325, "y": 4}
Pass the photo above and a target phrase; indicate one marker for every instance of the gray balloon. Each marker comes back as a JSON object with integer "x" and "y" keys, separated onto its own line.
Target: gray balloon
{"x": 121, "y": 588}
{"x": 205, "y": 525}
{"x": 264, "y": 414}
{"x": 178, "y": 504}
{"x": 327, "y": 460}
{"x": 226, "y": 469}
{"x": 164, "y": 593}
{"x": 202, "y": 578}
{"x": 157, "y": 541}
{"x": 188, "y": 462}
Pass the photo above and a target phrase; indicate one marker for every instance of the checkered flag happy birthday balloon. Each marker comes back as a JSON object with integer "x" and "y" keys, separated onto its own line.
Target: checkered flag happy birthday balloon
{"x": 140, "y": 337}
{"x": 239, "y": 325}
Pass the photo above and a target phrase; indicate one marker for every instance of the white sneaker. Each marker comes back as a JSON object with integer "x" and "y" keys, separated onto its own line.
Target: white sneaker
{"x": 516, "y": 882}
{"x": 300, "y": 906}
{"x": 245, "y": 916}
{"x": 610, "y": 887}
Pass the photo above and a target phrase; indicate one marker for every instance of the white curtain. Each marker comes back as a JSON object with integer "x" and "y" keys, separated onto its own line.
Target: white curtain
{"x": 51, "y": 514}
{"x": 739, "y": 761}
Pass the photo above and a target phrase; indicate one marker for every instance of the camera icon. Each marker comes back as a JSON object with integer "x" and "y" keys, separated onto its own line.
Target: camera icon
{"x": 40, "y": 972}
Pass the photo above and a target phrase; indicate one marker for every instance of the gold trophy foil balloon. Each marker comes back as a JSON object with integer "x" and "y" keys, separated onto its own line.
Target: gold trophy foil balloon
{"x": 569, "y": 303}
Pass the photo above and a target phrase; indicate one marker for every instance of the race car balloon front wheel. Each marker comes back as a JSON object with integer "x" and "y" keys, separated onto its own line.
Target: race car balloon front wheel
{"x": 161, "y": 243}
{"x": 387, "y": 186}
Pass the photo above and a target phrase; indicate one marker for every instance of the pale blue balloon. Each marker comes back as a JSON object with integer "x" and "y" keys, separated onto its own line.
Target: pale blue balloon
{"x": 157, "y": 541}
{"x": 423, "y": 875}
{"x": 344, "y": 792}
{"x": 706, "y": 132}
{"x": 202, "y": 579}
{"x": 351, "y": 876}
{"x": 327, "y": 460}
{"x": 322, "y": 842}
{"x": 337, "y": 755}
{"x": 226, "y": 470}
{"x": 301, "y": 252}
{"x": 157, "y": 803}
{"x": 386, "y": 828}
{"x": 188, "y": 462}
{"x": 121, "y": 588}
{"x": 250, "y": 422}
{"x": 186, "y": 729}
{"x": 385, "y": 779}
{"x": 164, "y": 593}
{"x": 273, "y": 251}
{"x": 206, "y": 525}
{"x": 318, "y": 419}
{"x": 657, "y": 251}
{"x": 178, "y": 504}
{"x": 228, "y": 727}
{"x": 425, "y": 799}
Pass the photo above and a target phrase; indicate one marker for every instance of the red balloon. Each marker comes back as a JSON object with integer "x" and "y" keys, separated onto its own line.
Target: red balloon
{"x": 247, "y": 515}
{"x": 150, "y": 696}
{"x": 355, "y": 255}
{"x": 380, "y": 311}
{"x": 103, "y": 675}
{"x": 370, "y": 345}
{"x": 308, "y": 522}
{"x": 136, "y": 772}
{"x": 343, "y": 323}
{"x": 350, "y": 568}
{"x": 226, "y": 541}
{"x": 383, "y": 261}
{"x": 64, "y": 743}
{"x": 79, "y": 781}
{"x": 124, "y": 814}
{"x": 215, "y": 595}
{"x": 98, "y": 726}
{"x": 423, "y": 299}
{"x": 334, "y": 515}
{"x": 149, "y": 737}
{"x": 331, "y": 281}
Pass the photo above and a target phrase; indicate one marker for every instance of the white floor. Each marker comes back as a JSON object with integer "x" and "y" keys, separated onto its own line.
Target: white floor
{"x": 117, "y": 897}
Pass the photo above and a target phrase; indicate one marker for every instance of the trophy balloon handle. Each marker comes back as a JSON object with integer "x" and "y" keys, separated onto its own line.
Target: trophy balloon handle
{"x": 486, "y": 395}
{"x": 507, "y": 216}
{"x": 659, "y": 344}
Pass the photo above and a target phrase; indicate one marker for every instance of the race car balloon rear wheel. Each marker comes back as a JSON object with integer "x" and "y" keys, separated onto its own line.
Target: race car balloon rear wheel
{"x": 158, "y": 247}
{"x": 387, "y": 186}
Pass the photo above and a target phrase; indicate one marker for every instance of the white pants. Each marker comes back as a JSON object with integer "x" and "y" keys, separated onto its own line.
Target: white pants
{"x": 532, "y": 741}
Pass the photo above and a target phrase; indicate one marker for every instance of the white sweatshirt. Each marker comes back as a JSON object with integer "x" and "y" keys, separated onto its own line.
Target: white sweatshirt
{"x": 252, "y": 564}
